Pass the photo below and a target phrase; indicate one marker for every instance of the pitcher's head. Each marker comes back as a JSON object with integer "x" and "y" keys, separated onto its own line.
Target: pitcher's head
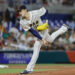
{"x": 22, "y": 11}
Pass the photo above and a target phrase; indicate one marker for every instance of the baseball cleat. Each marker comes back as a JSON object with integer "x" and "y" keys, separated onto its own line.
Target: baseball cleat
{"x": 63, "y": 29}
{"x": 26, "y": 72}
{"x": 66, "y": 26}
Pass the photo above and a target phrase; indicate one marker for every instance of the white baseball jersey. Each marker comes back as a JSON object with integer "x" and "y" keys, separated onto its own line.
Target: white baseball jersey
{"x": 34, "y": 21}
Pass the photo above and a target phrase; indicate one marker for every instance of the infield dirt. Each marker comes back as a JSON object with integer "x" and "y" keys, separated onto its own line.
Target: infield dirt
{"x": 51, "y": 70}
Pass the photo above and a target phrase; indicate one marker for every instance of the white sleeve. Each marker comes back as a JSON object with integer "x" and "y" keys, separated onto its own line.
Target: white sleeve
{"x": 40, "y": 12}
{"x": 24, "y": 25}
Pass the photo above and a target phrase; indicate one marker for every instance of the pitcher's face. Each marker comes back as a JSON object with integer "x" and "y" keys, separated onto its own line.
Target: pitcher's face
{"x": 22, "y": 13}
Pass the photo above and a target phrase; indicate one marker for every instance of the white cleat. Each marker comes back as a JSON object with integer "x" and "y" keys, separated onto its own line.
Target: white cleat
{"x": 64, "y": 28}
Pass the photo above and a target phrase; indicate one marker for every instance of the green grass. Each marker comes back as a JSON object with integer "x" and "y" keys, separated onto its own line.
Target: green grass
{"x": 56, "y": 64}
{"x": 42, "y": 64}
{"x": 6, "y": 71}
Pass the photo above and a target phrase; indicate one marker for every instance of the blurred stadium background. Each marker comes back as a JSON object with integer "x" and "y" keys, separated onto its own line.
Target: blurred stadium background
{"x": 16, "y": 45}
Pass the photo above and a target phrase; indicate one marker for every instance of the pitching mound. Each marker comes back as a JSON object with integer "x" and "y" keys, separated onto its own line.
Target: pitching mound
{"x": 47, "y": 70}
